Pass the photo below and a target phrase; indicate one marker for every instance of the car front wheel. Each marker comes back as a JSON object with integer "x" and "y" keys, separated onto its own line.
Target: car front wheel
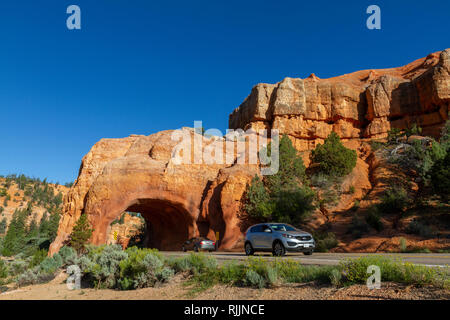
{"x": 249, "y": 249}
{"x": 278, "y": 249}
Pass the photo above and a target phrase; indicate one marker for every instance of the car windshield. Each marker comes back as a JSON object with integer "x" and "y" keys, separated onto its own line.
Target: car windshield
{"x": 282, "y": 227}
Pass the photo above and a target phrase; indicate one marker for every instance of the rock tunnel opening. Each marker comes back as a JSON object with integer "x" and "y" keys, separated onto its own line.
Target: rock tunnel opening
{"x": 168, "y": 224}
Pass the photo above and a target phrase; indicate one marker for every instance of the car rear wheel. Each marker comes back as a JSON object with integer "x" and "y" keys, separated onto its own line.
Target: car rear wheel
{"x": 307, "y": 253}
{"x": 249, "y": 249}
{"x": 278, "y": 249}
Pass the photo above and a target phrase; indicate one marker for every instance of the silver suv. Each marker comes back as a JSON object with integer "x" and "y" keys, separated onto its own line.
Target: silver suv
{"x": 278, "y": 238}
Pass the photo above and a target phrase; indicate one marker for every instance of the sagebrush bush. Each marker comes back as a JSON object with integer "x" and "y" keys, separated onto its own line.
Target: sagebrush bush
{"x": 17, "y": 266}
{"x": 100, "y": 266}
{"x": 68, "y": 255}
{"x": 50, "y": 264}
{"x": 142, "y": 268}
{"x": 336, "y": 277}
{"x": 195, "y": 263}
{"x": 33, "y": 276}
{"x": 254, "y": 279}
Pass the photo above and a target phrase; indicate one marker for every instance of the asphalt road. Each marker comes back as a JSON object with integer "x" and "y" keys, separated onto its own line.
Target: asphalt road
{"x": 427, "y": 259}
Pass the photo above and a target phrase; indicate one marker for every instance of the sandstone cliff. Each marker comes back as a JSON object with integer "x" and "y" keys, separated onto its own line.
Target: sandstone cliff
{"x": 363, "y": 104}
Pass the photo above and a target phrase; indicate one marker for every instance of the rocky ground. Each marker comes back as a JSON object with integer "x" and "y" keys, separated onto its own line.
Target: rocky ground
{"x": 177, "y": 289}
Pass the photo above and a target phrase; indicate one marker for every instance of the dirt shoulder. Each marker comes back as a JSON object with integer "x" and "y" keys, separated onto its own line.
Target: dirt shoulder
{"x": 176, "y": 289}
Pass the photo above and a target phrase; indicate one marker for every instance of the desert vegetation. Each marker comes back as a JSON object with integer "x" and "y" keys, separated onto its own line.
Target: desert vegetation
{"x": 111, "y": 267}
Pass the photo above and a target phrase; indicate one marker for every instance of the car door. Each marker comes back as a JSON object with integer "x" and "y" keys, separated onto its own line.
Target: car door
{"x": 256, "y": 236}
{"x": 266, "y": 237}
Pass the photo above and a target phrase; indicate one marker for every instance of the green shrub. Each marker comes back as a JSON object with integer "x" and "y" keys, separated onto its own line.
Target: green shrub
{"x": 336, "y": 277}
{"x": 254, "y": 279}
{"x": 100, "y": 266}
{"x": 357, "y": 227}
{"x": 258, "y": 203}
{"x": 17, "y": 267}
{"x": 356, "y": 206}
{"x": 417, "y": 227}
{"x": 325, "y": 241}
{"x": 355, "y": 271}
{"x": 3, "y": 269}
{"x": 68, "y": 255}
{"x": 440, "y": 177}
{"x": 403, "y": 245}
{"x": 376, "y": 145}
{"x": 231, "y": 273}
{"x": 373, "y": 219}
{"x": 395, "y": 200}
{"x": 394, "y": 134}
{"x": 195, "y": 263}
{"x": 142, "y": 268}
{"x": 29, "y": 277}
{"x": 50, "y": 264}
{"x": 38, "y": 257}
{"x": 333, "y": 158}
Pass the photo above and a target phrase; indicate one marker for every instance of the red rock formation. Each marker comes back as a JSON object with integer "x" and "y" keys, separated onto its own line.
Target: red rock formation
{"x": 178, "y": 201}
{"x": 363, "y": 104}
{"x": 138, "y": 174}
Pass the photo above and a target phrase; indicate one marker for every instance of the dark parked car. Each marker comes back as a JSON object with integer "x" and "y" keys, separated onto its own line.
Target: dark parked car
{"x": 199, "y": 243}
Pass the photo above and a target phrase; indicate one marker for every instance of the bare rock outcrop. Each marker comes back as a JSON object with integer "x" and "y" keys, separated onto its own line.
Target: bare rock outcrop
{"x": 363, "y": 104}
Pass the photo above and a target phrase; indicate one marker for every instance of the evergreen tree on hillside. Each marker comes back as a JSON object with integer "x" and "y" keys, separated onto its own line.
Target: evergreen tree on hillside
{"x": 440, "y": 177}
{"x": 14, "y": 240}
{"x": 3, "y": 226}
{"x": 81, "y": 233}
{"x": 33, "y": 229}
{"x": 283, "y": 197}
{"x": 333, "y": 158}
{"x": 291, "y": 170}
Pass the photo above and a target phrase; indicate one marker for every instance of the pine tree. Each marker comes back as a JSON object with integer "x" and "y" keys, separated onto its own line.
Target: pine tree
{"x": 14, "y": 240}
{"x": 333, "y": 158}
{"x": 81, "y": 233}
{"x": 3, "y": 226}
{"x": 283, "y": 197}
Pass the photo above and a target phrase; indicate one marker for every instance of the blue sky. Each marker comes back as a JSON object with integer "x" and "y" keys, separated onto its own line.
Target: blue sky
{"x": 138, "y": 67}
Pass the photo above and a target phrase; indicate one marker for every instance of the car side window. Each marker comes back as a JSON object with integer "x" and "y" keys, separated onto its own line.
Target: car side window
{"x": 265, "y": 227}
